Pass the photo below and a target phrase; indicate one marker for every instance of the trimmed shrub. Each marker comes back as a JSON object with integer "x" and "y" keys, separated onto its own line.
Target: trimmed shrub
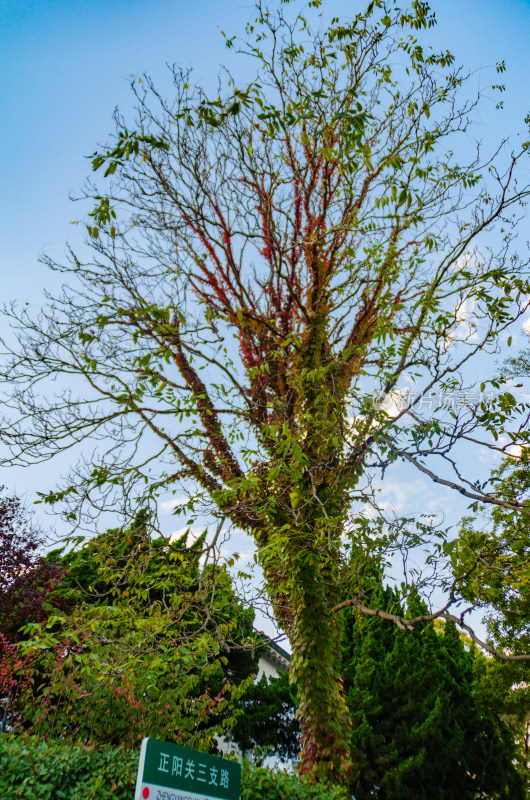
{"x": 36, "y": 770}
{"x": 33, "y": 770}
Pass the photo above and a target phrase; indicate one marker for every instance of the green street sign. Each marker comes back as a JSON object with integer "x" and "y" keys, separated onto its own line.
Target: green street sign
{"x": 170, "y": 772}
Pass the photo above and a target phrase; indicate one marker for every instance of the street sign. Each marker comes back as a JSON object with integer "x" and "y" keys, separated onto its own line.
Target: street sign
{"x": 170, "y": 772}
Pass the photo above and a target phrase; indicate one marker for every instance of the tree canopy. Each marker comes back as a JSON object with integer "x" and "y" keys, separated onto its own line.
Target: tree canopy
{"x": 492, "y": 555}
{"x": 28, "y": 591}
{"x": 149, "y": 642}
{"x": 421, "y": 727}
{"x": 27, "y": 579}
{"x": 285, "y": 282}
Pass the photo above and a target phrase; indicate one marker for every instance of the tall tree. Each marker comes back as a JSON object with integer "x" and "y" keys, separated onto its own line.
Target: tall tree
{"x": 264, "y": 263}
{"x": 419, "y": 729}
{"x": 502, "y": 688}
{"x": 492, "y": 556}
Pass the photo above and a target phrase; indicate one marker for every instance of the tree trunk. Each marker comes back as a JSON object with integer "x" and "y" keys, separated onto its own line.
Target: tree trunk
{"x": 323, "y": 715}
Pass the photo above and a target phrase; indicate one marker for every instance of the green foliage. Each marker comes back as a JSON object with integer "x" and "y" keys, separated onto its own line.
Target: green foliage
{"x": 491, "y": 557}
{"x": 418, "y": 728}
{"x": 144, "y": 648}
{"x": 503, "y": 688}
{"x": 268, "y": 721}
{"x": 33, "y": 770}
{"x": 258, "y": 783}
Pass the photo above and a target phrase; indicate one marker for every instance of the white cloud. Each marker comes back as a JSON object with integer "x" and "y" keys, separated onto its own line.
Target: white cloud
{"x": 367, "y": 511}
{"x": 485, "y": 455}
{"x": 465, "y": 261}
{"x": 462, "y": 312}
{"x": 515, "y": 450}
{"x": 243, "y": 558}
{"x": 399, "y": 494}
{"x": 395, "y": 401}
{"x": 411, "y": 497}
{"x": 169, "y": 505}
{"x": 400, "y": 497}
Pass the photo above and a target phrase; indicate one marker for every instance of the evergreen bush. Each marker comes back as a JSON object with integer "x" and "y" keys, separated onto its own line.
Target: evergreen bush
{"x": 38, "y": 770}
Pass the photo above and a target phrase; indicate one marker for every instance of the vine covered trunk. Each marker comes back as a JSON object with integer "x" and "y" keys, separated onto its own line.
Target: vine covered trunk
{"x": 324, "y": 718}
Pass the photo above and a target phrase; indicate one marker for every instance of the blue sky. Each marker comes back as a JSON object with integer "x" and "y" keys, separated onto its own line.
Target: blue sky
{"x": 66, "y": 65}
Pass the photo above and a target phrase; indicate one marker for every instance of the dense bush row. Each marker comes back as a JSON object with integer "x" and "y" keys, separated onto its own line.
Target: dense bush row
{"x": 41, "y": 771}
{"x": 34, "y": 770}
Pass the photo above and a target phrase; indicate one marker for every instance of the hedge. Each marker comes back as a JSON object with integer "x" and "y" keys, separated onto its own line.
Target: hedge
{"x": 259, "y": 783}
{"x": 36, "y": 770}
{"x": 44, "y": 771}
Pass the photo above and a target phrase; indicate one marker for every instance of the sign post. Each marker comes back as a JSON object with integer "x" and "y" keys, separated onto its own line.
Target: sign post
{"x": 170, "y": 772}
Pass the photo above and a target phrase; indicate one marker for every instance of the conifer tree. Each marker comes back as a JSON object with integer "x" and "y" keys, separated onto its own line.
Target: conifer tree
{"x": 418, "y": 730}
{"x": 268, "y": 723}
